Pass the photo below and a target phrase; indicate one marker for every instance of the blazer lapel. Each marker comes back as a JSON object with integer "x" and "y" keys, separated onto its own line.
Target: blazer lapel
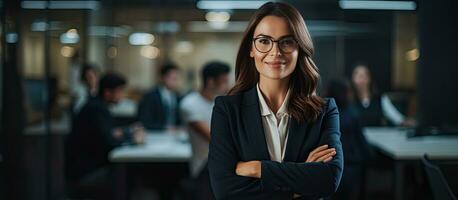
{"x": 296, "y": 138}
{"x": 251, "y": 116}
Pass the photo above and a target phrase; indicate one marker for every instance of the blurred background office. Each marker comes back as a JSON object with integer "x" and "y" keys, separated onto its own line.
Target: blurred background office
{"x": 390, "y": 65}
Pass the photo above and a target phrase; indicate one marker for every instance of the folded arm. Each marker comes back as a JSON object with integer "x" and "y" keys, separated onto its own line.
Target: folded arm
{"x": 311, "y": 179}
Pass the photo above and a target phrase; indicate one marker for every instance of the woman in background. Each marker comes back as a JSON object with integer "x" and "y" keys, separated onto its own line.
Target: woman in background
{"x": 375, "y": 109}
{"x": 86, "y": 88}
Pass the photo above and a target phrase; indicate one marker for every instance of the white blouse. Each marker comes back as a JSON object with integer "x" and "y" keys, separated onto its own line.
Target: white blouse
{"x": 275, "y": 127}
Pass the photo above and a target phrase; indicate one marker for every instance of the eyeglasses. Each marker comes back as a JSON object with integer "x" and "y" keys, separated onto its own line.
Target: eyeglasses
{"x": 265, "y": 44}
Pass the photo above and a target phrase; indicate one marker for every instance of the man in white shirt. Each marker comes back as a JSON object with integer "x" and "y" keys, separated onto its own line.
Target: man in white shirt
{"x": 196, "y": 110}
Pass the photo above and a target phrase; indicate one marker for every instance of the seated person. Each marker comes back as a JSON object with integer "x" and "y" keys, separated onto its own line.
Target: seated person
{"x": 375, "y": 109}
{"x": 158, "y": 109}
{"x": 93, "y": 135}
{"x": 196, "y": 109}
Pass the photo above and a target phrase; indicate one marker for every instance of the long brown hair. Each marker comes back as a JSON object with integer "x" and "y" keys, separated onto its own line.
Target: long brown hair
{"x": 304, "y": 104}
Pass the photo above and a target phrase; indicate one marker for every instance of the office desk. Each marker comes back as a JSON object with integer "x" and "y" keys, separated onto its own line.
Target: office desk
{"x": 125, "y": 108}
{"x": 165, "y": 156}
{"x": 159, "y": 147}
{"x": 394, "y": 143}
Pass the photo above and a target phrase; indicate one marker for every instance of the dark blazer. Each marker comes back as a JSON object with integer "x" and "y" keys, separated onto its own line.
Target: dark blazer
{"x": 372, "y": 115}
{"x": 91, "y": 139}
{"x": 238, "y": 135}
{"x": 151, "y": 111}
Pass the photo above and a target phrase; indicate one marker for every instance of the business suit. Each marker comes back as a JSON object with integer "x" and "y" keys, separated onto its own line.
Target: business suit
{"x": 91, "y": 139}
{"x": 153, "y": 113}
{"x": 237, "y": 135}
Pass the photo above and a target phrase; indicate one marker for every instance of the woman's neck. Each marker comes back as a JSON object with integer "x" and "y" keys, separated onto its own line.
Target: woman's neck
{"x": 274, "y": 92}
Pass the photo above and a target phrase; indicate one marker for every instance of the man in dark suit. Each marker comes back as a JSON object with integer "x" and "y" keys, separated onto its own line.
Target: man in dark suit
{"x": 93, "y": 135}
{"x": 158, "y": 109}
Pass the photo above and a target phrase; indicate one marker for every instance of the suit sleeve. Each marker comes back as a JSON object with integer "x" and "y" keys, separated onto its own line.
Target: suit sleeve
{"x": 222, "y": 160}
{"x": 315, "y": 179}
{"x": 103, "y": 122}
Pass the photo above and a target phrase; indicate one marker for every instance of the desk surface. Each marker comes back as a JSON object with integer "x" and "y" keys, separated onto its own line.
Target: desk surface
{"x": 125, "y": 108}
{"x": 394, "y": 143}
{"x": 158, "y": 147}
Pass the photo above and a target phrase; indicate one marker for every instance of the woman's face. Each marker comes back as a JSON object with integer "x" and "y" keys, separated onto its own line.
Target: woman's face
{"x": 360, "y": 76}
{"x": 274, "y": 64}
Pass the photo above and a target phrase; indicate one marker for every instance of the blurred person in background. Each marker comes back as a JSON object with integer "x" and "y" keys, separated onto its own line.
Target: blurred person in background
{"x": 374, "y": 108}
{"x": 158, "y": 109}
{"x": 196, "y": 110}
{"x": 355, "y": 147}
{"x": 93, "y": 135}
{"x": 88, "y": 87}
{"x": 272, "y": 137}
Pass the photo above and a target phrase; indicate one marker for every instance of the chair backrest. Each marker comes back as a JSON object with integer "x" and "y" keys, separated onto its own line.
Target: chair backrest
{"x": 437, "y": 182}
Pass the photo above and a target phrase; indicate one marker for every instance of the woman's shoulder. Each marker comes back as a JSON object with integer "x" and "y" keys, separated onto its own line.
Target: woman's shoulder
{"x": 329, "y": 107}
{"x": 228, "y": 99}
{"x": 247, "y": 96}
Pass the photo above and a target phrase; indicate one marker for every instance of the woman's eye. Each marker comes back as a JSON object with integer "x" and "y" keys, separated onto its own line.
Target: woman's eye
{"x": 264, "y": 41}
{"x": 287, "y": 42}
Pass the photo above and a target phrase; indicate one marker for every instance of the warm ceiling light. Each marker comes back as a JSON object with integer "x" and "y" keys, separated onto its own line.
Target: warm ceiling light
{"x": 412, "y": 55}
{"x": 217, "y": 16}
{"x": 149, "y": 52}
{"x": 112, "y": 52}
{"x": 184, "y": 47}
{"x": 67, "y": 51}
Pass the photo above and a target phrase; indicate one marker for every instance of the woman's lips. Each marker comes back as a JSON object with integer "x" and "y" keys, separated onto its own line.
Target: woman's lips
{"x": 275, "y": 64}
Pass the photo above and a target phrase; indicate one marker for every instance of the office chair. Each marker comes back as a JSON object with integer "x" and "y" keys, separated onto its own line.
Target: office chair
{"x": 437, "y": 182}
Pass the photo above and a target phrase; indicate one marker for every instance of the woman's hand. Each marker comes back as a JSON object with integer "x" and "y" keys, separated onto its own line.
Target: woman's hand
{"x": 249, "y": 169}
{"x": 321, "y": 154}
{"x": 138, "y": 134}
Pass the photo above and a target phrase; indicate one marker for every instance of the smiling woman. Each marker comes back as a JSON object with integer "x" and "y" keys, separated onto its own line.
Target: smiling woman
{"x": 273, "y": 137}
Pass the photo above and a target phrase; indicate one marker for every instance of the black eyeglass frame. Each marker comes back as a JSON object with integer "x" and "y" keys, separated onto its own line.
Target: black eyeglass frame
{"x": 274, "y": 41}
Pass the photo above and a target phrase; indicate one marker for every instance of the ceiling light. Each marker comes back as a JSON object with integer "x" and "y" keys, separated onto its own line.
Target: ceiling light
{"x": 217, "y": 16}
{"x": 228, "y": 5}
{"x": 141, "y": 38}
{"x": 91, "y": 5}
{"x": 149, "y": 52}
{"x": 67, "y": 51}
{"x": 377, "y": 5}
